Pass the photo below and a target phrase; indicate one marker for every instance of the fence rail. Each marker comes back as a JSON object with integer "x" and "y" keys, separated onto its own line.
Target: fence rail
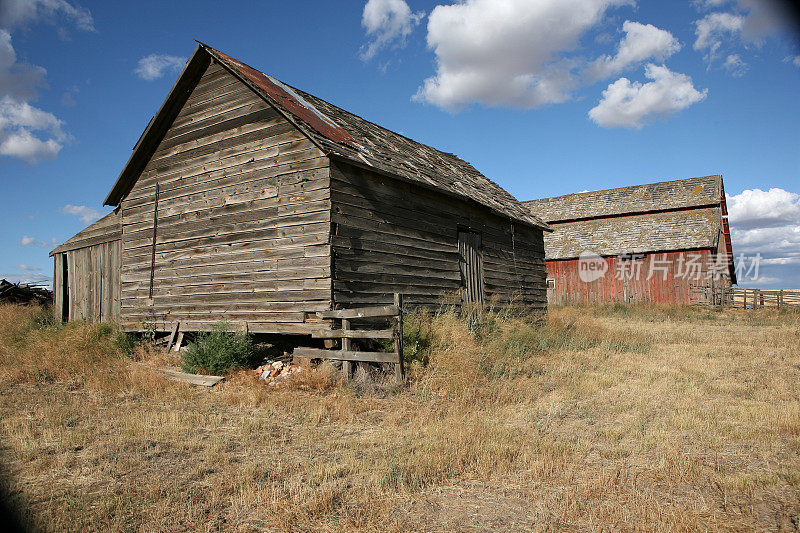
{"x": 347, "y": 332}
{"x": 758, "y": 298}
{"x": 748, "y": 298}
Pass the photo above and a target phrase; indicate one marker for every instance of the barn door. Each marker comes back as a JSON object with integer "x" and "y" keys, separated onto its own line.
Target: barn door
{"x": 471, "y": 264}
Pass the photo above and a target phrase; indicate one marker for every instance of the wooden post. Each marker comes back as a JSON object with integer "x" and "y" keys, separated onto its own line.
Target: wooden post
{"x": 172, "y": 335}
{"x": 347, "y": 366}
{"x": 399, "y": 371}
{"x": 177, "y": 346}
{"x": 153, "y": 250}
{"x": 780, "y": 298}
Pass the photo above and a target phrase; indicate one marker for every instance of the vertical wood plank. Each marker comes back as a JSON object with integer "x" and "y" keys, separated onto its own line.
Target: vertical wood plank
{"x": 347, "y": 369}
{"x": 399, "y": 367}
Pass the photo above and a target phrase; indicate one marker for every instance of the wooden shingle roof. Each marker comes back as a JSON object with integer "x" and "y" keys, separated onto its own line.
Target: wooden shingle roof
{"x": 686, "y": 214}
{"x": 343, "y": 135}
{"x": 665, "y": 195}
{"x": 653, "y": 232}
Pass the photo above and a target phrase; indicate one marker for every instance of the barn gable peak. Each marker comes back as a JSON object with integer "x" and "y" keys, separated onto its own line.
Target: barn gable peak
{"x": 338, "y": 133}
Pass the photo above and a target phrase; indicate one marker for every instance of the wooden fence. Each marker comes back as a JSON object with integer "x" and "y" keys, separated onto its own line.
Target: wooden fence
{"x": 347, "y": 333}
{"x": 758, "y": 298}
{"x": 748, "y": 298}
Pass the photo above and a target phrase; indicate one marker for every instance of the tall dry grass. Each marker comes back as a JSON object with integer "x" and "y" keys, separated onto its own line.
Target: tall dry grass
{"x": 650, "y": 418}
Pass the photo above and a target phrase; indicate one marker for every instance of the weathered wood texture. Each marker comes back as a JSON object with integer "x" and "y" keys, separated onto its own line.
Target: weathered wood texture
{"x": 392, "y": 237}
{"x": 242, "y": 220}
{"x": 92, "y": 288}
{"x": 670, "y": 277}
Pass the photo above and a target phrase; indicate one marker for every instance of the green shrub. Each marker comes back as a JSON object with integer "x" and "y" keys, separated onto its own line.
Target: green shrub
{"x": 126, "y": 342}
{"x": 218, "y": 351}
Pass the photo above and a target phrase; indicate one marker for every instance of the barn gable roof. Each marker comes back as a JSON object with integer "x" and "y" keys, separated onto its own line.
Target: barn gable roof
{"x": 340, "y": 134}
{"x": 106, "y": 229}
{"x": 661, "y": 196}
{"x": 686, "y": 214}
{"x": 654, "y": 232}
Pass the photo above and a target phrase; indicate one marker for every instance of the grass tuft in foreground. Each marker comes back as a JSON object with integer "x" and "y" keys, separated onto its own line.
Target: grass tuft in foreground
{"x": 648, "y": 417}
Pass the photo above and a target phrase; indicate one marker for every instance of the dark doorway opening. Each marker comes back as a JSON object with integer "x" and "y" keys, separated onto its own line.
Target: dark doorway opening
{"x": 64, "y": 290}
{"x": 471, "y": 265}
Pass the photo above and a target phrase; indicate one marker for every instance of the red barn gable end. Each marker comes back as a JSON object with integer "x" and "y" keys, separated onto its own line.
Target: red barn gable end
{"x": 656, "y": 243}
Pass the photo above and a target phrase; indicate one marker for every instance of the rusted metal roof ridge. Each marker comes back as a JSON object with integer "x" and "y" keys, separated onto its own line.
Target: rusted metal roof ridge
{"x": 288, "y": 99}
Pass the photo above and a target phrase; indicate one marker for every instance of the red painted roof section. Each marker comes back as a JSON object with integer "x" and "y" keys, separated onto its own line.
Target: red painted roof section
{"x": 289, "y": 100}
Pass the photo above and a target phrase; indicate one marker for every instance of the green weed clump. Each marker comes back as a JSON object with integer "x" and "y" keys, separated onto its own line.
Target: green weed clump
{"x": 218, "y": 351}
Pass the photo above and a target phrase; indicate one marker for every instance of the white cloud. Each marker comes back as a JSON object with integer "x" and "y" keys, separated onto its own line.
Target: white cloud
{"x": 35, "y": 277}
{"x": 386, "y": 22}
{"x": 735, "y": 66}
{"x": 796, "y": 61}
{"x": 156, "y": 65}
{"x": 745, "y": 21}
{"x": 14, "y": 13}
{"x": 86, "y": 214}
{"x": 31, "y": 241}
{"x": 17, "y": 80}
{"x": 506, "y": 52}
{"x": 768, "y": 223}
{"x": 631, "y": 105}
{"x": 641, "y": 42}
{"x": 17, "y": 122}
{"x": 713, "y": 29}
{"x": 28, "y": 268}
{"x": 754, "y": 208}
{"x": 27, "y": 132}
{"x": 23, "y": 145}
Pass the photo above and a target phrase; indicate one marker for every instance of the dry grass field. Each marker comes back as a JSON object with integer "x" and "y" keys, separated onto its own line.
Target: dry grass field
{"x": 641, "y": 418}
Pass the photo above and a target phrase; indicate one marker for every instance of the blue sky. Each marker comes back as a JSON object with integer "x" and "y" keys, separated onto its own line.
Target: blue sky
{"x": 546, "y": 97}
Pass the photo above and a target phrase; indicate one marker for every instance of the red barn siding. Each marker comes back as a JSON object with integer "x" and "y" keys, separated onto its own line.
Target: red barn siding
{"x": 610, "y": 288}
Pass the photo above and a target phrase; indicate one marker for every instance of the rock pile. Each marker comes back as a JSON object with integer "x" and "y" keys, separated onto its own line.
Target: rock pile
{"x": 274, "y": 371}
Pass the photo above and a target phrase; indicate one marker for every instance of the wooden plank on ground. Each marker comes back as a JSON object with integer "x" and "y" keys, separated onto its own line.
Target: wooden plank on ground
{"x": 343, "y": 355}
{"x": 193, "y": 379}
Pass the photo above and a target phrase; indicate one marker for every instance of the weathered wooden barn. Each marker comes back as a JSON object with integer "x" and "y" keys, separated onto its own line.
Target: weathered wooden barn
{"x": 248, "y": 200}
{"x": 658, "y": 243}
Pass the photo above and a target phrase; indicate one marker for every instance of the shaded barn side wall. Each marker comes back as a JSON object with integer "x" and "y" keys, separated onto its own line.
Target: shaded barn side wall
{"x": 93, "y": 283}
{"x": 391, "y": 236}
{"x": 243, "y": 219}
{"x": 666, "y": 285}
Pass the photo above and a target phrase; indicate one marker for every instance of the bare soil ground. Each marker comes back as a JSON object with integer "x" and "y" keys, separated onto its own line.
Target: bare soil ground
{"x": 619, "y": 418}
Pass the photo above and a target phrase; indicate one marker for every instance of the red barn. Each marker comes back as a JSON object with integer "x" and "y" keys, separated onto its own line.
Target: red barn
{"x": 659, "y": 242}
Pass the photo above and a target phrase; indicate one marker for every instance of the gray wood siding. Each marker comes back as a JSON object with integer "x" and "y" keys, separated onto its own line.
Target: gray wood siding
{"x": 243, "y": 218}
{"x": 93, "y": 282}
{"x": 390, "y": 236}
